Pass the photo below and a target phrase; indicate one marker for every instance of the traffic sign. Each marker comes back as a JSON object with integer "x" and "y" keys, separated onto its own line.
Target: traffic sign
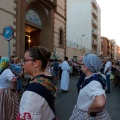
{"x": 8, "y": 32}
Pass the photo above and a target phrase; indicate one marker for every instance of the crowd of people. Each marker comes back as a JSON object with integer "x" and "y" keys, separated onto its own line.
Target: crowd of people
{"x": 28, "y": 85}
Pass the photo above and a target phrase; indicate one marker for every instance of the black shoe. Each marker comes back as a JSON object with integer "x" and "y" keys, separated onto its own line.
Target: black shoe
{"x": 66, "y": 91}
{"x": 107, "y": 91}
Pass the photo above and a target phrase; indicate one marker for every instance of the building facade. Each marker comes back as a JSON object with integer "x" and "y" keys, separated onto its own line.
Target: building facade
{"x": 118, "y": 52}
{"x": 108, "y": 49}
{"x": 83, "y": 26}
{"x": 113, "y": 43}
{"x": 35, "y": 23}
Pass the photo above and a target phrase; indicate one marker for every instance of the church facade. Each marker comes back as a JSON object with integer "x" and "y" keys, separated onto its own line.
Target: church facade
{"x": 35, "y": 23}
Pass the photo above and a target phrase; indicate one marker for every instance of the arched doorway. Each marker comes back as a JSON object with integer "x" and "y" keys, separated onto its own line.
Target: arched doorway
{"x": 36, "y": 20}
{"x": 32, "y": 36}
{"x": 32, "y": 29}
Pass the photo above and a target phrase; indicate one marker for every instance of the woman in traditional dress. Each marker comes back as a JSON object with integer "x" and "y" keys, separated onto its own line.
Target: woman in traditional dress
{"x": 91, "y": 99}
{"x": 8, "y": 95}
{"x": 37, "y": 102}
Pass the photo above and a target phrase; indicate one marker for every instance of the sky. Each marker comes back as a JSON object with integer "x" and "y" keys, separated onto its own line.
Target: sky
{"x": 110, "y": 19}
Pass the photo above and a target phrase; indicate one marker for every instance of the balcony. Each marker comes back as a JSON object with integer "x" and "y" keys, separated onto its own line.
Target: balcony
{"x": 94, "y": 42}
{"x": 94, "y": 13}
{"x": 94, "y": 4}
{"x": 108, "y": 46}
{"x": 94, "y": 32}
{"x": 94, "y": 23}
{"x": 108, "y": 52}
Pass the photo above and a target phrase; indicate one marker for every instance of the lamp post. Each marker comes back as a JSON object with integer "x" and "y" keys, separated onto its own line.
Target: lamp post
{"x": 81, "y": 38}
{"x": 77, "y": 43}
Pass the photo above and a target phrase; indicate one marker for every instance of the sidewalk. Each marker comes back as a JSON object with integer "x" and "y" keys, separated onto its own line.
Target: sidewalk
{"x": 65, "y": 101}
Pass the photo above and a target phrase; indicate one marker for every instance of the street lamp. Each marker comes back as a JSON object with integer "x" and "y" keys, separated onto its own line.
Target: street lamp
{"x": 81, "y": 38}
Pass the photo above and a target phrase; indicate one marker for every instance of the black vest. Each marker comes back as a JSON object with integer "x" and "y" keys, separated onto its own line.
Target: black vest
{"x": 44, "y": 92}
{"x": 95, "y": 77}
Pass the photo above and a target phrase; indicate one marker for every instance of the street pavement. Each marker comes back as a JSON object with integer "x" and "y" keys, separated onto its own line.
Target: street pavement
{"x": 65, "y": 101}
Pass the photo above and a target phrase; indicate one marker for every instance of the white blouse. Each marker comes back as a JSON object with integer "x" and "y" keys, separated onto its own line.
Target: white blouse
{"x": 5, "y": 78}
{"x": 35, "y": 107}
{"x": 88, "y": 93}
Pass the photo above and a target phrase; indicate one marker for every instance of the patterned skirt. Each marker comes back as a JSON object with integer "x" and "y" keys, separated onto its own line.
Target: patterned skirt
{"x": 9, "y": 104}
{"x": 83, "y": 115}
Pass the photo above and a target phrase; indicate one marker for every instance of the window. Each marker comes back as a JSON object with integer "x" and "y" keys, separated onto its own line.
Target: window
{"x": 61, "y": 37}
{"x": 33, "y": 17}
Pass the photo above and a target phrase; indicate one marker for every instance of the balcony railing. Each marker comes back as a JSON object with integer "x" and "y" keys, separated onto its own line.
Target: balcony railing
{"x": 94, "y": 23}
{"x": 94, "y": 32}
{"x": 94, "y": 4}
{"x": 94, "y": 13}
{"x": 94, "y": 42}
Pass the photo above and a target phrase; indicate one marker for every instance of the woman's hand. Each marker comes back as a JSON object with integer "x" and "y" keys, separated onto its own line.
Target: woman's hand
{"x": 14, "y": 81}
{"x": 98, "y": 104}
{"x": 92, "y": 114}
{"x": 20, "y": 75}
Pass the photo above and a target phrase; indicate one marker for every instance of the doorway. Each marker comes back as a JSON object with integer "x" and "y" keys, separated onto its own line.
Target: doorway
{"x": 32, "y": 36}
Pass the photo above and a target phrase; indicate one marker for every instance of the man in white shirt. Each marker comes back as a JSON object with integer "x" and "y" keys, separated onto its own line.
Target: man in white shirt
{"x": 107, "y": 72}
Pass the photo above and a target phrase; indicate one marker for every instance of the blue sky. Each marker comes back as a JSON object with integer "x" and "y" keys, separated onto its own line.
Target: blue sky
{"x": 110, "y": 19}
